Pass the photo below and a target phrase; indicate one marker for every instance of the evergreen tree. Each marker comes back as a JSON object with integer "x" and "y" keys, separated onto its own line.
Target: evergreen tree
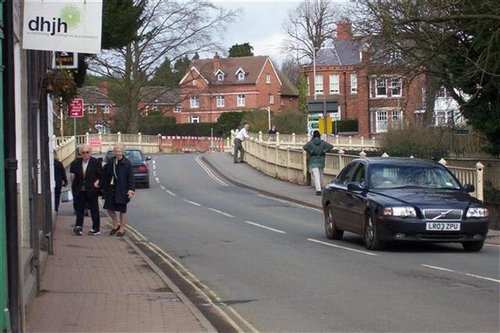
{"x": 241, "y": 50}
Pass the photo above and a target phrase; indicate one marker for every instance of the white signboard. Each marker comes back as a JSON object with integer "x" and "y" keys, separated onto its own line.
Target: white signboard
{"x": 71, "y": 25}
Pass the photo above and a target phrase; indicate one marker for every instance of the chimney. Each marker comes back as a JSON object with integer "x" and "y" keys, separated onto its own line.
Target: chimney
{"x": 216, "y": 62}
{"x": 103, "y": 87}
{"x": 344, "y": 30}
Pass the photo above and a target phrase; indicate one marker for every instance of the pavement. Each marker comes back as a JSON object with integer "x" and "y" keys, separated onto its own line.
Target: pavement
{"x": 106, "y": 284}
{"x": 242, "y": 174}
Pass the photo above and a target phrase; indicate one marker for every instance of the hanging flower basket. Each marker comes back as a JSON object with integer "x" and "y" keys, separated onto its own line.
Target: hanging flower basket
{"x": 59, "y": 83}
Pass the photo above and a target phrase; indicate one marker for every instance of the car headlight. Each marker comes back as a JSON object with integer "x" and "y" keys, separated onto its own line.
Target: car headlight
{"x": 400, "y": 211}
{"x": 477, "y": 212}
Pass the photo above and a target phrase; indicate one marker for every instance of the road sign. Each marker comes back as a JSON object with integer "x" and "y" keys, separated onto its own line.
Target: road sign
{"x": 95, "y": 142}
{"x": 325, "y": 124}
{"x": 322, "y": 106}
{"x": 63, "y": 59}
{"x": 76, "y": 108}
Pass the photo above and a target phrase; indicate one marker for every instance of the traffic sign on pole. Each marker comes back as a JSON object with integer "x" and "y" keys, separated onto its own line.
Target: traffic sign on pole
{"x": 76, "y": 108}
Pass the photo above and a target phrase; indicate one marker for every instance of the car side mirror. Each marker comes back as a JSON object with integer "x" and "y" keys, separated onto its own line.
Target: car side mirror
{"x": 469, "y": 188}
{"x": 148, "y": 158}
{"x": 355, "y": 187}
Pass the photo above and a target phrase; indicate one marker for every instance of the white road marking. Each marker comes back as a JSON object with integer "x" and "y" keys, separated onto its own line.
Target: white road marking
{"x": 482, "y": 277}
{"x": 461, "y": 273}
{"x": 341, "y": 247}
{"x": 220, "y": 212}
{"x": 264, "y": 227}
{"x": 171, "y": 193}
{"x": 195, "y": 283}
{"x": 157, "y": 180}
{"x": 192, "y": 202}
{"x": 209, "y": 172}
{"x": 438, "y": 268}
{"x": 163, "y": 187}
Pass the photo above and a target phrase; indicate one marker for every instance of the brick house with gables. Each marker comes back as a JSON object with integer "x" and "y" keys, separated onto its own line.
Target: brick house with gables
{"x": 369, "y": 88}
{"x": 98, "y": 107}
{"x": 214, "y": 86}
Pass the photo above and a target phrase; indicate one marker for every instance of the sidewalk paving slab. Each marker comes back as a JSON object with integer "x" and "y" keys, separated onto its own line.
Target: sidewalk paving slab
{"x": 101, "y": 284}
{"x": 244, "y": 175}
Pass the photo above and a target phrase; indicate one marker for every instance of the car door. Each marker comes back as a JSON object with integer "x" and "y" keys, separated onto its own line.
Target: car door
{"x": 355, "y": 201}
{"x": 338, "y": 196}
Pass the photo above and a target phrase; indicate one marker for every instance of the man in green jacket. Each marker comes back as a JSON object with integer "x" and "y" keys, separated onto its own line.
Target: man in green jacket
{"x": 316, "y": 150}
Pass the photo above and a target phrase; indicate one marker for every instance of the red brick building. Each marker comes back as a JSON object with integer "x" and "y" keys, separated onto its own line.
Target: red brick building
{"x": 98, "y": 107}
{"x": 214, "y": 86}
{"x": 367, "y": 87}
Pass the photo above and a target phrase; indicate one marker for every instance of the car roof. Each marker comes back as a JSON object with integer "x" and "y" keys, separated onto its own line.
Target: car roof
{"x": 402, "y": 161}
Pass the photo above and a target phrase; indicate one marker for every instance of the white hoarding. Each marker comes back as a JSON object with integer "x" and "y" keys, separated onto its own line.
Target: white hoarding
{"x": 69, "y": 25}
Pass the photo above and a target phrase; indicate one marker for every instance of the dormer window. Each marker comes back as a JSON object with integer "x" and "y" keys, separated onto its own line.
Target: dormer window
{"x": 220, "y": 75}
{"x": 240, "y": 74}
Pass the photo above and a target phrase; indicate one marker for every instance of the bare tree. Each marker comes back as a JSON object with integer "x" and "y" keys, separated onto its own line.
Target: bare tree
{"x": 455, "y": 42}
{"x": 170, "y": 29}
{"x": 310, "y": 26}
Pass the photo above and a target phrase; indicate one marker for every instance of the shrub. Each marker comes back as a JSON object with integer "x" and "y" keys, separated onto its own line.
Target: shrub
{"x": 413, "y": 139}
{"x": 348, "y": 125}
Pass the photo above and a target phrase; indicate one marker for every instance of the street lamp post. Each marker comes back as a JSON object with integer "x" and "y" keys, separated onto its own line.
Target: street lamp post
{"x": 314, "y": 72}
{"x": 269, "y": 117}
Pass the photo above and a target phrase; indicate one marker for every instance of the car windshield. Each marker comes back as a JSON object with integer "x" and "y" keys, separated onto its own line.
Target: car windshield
{"x": 398, "y": 176}
{"x": 134, "y": 155}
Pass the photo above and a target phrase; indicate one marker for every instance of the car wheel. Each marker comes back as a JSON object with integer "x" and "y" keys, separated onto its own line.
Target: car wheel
{"x": 473, "y": 246}
{"x": 331, "y": 230}
{"x": 372, "y": 242}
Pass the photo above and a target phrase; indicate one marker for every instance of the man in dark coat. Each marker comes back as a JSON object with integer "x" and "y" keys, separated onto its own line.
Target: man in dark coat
{"x": 60, "y": 180}
{"x": 119, "y": 188}
{"x": 86, "y": 173}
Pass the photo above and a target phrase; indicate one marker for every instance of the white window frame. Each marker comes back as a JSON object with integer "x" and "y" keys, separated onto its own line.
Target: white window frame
{"x": 396, "y": 85}
{"x": 271, "y": 99}
{"x": 106, "y": 109}
{"x": 268, "y": 78}
{"x": 318, "y": 84}
{"x": 92, "y": 108}
{"x": 220, "y": 77}
{"x": 442, "y": 93}
{"x": 240, "y": 75}
{"x": 381, "y": 121}
{"x": 354, "y": 83}
{"x": 177, "y": 108}
{"x": 380, "y": 83}
{"x": 194, "y": 102}
{"x": 219, "y": 101}
{"x": 334, "y": 84}
{"x": 240, "y": 100}
{"x": 194, "y": 119}
{"x": 396, "y": 116}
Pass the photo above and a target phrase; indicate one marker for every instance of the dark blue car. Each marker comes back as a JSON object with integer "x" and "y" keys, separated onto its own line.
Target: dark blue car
{"x": 403, "y": 199}
{"x": 139, "y": 164}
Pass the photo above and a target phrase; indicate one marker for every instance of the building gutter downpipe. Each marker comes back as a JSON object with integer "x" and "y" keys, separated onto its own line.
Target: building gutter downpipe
{"x": 9, "y": 130}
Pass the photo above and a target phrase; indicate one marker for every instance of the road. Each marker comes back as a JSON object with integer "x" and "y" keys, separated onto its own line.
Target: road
{"x": 270, "y": 261}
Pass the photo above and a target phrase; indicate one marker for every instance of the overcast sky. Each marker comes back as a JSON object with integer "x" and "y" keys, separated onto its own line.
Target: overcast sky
{"x": 260, "y": 24}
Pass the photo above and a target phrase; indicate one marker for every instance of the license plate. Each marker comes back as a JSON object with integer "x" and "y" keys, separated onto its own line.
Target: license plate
{"x": 442, "y": 226}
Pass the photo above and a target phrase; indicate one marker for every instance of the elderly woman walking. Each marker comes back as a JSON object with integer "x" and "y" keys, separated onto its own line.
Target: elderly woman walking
{"x": 118, "y": 187}
{"x": 316, "y": 150}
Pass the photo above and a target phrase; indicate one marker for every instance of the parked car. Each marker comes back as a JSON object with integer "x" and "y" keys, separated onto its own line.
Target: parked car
{"x": 139, "y": 164}
{"x": 403, "y": 199}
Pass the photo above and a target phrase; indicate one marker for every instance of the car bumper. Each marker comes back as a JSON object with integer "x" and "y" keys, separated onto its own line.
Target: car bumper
{"x": 398, "y": 229}
{"x": 141, "y": 177}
